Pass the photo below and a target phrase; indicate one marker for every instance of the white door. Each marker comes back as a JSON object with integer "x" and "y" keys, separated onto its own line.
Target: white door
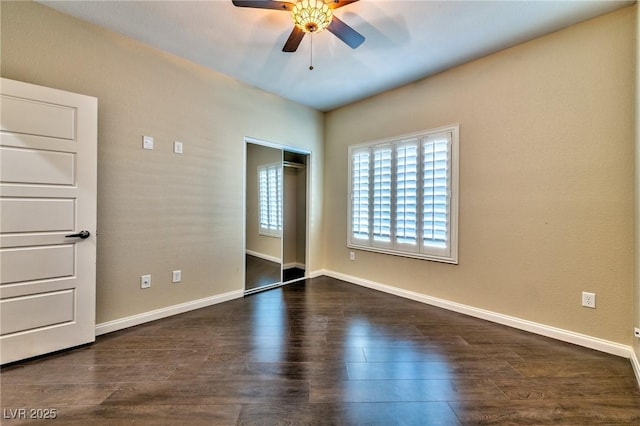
{"x": 48, "y": 159}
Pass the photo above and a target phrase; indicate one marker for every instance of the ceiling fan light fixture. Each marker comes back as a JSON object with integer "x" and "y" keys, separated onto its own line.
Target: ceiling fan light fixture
{"x": 311, "y": 16}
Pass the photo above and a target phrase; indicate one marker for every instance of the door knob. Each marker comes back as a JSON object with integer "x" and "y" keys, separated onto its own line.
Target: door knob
{"x": 82, "y": 234}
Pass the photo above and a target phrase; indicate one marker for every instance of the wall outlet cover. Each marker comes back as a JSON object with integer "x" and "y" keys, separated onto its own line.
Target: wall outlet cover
{"x": 588, "y": 300}
{"x": 145, "y": 281}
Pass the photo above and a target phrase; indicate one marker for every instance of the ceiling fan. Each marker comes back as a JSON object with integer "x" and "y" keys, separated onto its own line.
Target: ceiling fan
{"x": 310, "y": 16}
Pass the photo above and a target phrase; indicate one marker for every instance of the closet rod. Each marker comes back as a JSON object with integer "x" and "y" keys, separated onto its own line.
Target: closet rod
{"x": 293, "y": 165}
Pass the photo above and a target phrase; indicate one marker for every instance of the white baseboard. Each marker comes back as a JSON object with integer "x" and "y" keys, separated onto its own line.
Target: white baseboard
{"x": 294, "y": 265}
{"x": 263, "y": 256}
{"x": 318, "y": 273}
{"x": 635, "y": 363}
{"x": 521, "y": 324}
{"x": 122, "y": 323}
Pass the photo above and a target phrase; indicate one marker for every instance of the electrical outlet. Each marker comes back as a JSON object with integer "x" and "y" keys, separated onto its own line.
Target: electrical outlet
{"x": 636, "y": 331}
{"x": 145, "y": 281}
{"x": 352, "y": 255}
{"x": 588, "y": 300}
{"x": 177, "y": 276}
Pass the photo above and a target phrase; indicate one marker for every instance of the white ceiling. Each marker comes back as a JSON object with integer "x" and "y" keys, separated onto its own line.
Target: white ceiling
{"x": 405, "y": 40}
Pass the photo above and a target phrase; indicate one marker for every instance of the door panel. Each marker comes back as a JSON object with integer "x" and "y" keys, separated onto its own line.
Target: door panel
{"x": 37, "y": 142}
{"x": 48, "y": 144}
{"x": 36, "y": 263}
{"x": 35, "y": 214}
{"x": 12, "y": 311}
{"x": 35, "y": 166}
{"x": 20, "y": 115}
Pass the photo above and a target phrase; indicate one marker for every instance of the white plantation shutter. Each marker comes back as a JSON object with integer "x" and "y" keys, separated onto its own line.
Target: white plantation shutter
{"x": 382, "y": 195}
{"x": 360, "y": 194}
{"x": 270, "y": 199}
{"x": 406, "y": 217}
{"x": 404, "y": 196}
{"x": 435, "y": 200}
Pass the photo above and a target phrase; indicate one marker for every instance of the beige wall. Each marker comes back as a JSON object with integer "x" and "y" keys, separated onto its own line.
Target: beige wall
{"x": 546, "y": 178}
{"x": 269, "y": 246}
{"x": 546, "y": 183}
{"x": 301, "y": 217}
{"x": 636, "y": 234}
{"x": 158, "y": 211}
{"x": 290, "y": 238}
{"x": 294, "y": 241}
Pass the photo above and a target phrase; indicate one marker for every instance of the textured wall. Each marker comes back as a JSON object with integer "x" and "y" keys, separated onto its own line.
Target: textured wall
{"x": 158, "y": 211}
{"x": 636, "y": 281}
{"x": 546, "y": 146}
{"x": 546, "y": 178}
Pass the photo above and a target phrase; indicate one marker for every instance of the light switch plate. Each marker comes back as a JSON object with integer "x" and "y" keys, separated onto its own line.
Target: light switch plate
{"x": 147, "y": 142}
{"x": 177, "y": 147}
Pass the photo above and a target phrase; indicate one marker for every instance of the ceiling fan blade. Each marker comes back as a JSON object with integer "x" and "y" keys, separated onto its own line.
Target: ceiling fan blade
{"x": 264, "y": 4}
{"x": 348, "y": 35}
{"x": 294, "y": 40}
{"x": 335, "y": 4}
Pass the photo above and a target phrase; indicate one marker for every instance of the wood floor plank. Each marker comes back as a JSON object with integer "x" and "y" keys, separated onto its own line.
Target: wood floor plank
{"x": 87, "y": 374}
{"x": 55, "y": 395}
{"x": 568, "y": 388}
{"x": 376, "y": 414}
{"x": 546, "y": 412}
{"x": 442, "y": 353}
{"x": 211, "y": 392}
{"x": 569, "y": 368}
{"x": 404, "y": 391}
{"x": 109, "y": 415}
{"x": 430, "y": 370}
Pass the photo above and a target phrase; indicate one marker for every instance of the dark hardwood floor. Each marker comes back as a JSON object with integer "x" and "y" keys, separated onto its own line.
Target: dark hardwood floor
{"x": 261, "y": 272}
{"x": 291, "y": 274}
{"x": 322, "y": 351}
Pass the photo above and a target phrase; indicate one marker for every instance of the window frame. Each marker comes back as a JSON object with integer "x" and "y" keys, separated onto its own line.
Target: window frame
{"x": 419, "y": 250}
{"x": 268, "y": 232}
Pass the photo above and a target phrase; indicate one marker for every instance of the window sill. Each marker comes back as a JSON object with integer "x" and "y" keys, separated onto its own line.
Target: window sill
{"x": 420, "y": 256}
{"x": 270, "y": 234}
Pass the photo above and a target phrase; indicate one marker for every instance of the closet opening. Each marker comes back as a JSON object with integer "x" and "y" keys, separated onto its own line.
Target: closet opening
{"x": 276, "y": 215}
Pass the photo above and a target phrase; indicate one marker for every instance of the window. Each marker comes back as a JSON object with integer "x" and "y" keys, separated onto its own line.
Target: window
{"x": 270, "y": 199}
{"x": 404, "y": 195}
